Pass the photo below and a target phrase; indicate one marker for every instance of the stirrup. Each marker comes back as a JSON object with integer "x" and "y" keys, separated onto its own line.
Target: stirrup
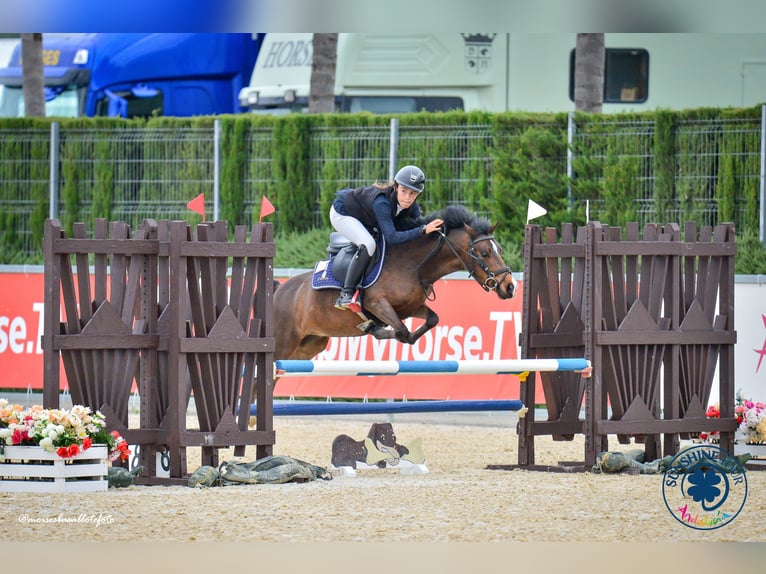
{"x": 351, "y": 304}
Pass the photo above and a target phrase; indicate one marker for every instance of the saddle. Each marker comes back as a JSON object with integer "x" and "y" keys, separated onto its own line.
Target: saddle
{"x": 330, "y": 273}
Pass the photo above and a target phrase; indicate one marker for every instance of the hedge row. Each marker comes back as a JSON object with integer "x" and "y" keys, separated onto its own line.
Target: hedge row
{"x": 492, "y": 163}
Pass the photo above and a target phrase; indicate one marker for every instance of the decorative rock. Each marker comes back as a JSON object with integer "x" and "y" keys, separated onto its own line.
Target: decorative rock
{"x": 119, "y": 477}
{"x": 204, "y": 476}
{"x": 270, "y": 470}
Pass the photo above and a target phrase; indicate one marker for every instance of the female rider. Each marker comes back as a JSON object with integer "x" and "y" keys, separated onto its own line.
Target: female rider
{"x": 390, "y": 208}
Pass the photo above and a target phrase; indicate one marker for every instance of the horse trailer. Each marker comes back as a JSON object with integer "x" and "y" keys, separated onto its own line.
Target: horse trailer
{"x": 496, "y": 72}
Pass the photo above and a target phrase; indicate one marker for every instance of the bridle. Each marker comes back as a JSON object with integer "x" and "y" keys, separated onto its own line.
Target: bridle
{"x": 493, "y": 278}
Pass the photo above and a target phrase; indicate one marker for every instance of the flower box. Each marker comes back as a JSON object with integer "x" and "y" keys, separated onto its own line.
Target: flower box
{"x": 34, "y": 469}
{"x": 758, "y": 452}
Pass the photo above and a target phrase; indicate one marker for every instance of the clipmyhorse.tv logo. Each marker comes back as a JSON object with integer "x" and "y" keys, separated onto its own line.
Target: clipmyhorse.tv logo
{"x": 704, "y": 487}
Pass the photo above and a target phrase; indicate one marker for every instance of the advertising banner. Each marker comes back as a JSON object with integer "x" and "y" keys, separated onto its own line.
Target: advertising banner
{"x": 472, "y": 325}
{"x": 21, "y": 329}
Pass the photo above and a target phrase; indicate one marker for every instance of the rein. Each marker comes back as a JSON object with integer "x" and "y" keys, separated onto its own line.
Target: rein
{"x": 493, "y": 277}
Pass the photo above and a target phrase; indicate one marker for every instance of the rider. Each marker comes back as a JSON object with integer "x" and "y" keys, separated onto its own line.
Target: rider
{"x": 390, "y": 208}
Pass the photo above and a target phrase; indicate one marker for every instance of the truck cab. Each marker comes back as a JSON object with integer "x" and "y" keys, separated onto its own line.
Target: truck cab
{"x": 137, "y": 75}
{"x": 374, "y": 72}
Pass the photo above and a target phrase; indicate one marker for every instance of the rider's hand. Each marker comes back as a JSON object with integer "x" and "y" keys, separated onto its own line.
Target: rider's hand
{"x": 433, "y": 225}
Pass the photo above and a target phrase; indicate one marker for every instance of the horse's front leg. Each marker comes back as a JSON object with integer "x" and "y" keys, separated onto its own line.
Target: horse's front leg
{"x": 430, "y": 318}
{"x": 383, "y": 310}
{"x": 382, "y": 332}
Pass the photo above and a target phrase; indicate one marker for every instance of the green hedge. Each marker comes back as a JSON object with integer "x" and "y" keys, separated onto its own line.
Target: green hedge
{"x": 493, "y": 163}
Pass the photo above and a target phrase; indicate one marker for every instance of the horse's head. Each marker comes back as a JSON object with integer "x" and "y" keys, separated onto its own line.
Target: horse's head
{"x": 472, "y": 242}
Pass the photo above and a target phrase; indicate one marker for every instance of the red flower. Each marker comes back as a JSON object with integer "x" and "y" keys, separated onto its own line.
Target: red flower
{"x": 713, "y": 412}
{"x": 73, "y": 450}
{"x": 123, "y": 450}
{"x": 86, "y": 444}
{"x": 19, "y": 436}
{"x": 63, "y": 452}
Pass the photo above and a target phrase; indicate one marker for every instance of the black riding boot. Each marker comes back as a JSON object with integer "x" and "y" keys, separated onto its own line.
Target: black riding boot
{"x": 354, "y": 276}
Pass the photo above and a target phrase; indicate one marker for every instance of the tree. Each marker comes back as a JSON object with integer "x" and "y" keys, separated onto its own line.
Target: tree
{"x": 322, "y": 89}
{"x": 590, "y": 57}
{"x": 33, "y": 82}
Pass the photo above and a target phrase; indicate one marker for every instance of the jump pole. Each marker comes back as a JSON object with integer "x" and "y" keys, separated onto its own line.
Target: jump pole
{"x": 291, "y": 408}
{"x": 308, "y": 368}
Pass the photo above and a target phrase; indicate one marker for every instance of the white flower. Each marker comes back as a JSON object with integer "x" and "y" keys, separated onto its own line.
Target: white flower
{"x": 47, "y": 444}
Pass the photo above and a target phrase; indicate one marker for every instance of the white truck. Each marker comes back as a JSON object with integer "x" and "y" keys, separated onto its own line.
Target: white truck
{"x": 7, "y": 46}
{"x": 510, "y": 72}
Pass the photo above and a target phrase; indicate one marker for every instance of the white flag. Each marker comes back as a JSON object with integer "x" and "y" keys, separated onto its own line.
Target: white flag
{"x": 535, "y": 210}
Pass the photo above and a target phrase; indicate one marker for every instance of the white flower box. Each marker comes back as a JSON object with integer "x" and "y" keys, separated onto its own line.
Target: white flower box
{"x": 758, "y": 452}
{"x": 33, "y": 469}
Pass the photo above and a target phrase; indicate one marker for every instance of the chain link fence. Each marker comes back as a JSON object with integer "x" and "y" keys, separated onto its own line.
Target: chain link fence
{"x": 153, "y": 172}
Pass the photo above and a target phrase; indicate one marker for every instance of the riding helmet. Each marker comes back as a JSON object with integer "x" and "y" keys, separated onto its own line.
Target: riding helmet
{"x": 411, "y": 177}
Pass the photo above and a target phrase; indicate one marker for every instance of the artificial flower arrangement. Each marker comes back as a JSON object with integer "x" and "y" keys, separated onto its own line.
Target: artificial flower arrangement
{"x": 751, "y": 418}
{"x": 751, "y": 421}
{"x": 65, "y": 432}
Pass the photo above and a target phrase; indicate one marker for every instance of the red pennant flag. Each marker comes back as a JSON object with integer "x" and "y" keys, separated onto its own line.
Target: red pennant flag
{"x": 266, "y": 208}
{"x": 198, "y": 205}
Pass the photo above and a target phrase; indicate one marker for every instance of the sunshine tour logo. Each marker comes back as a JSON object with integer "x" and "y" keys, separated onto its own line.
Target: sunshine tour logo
{"x": 704, "y": 487}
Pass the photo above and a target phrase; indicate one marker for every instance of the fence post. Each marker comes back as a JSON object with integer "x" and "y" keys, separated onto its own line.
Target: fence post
{"x": 571, "y": 128}
{"x": 216, "y": 168}
{"x": 53, "y": 208}
{"x": 393, "y": 148}
{"x": 762, "y": 228}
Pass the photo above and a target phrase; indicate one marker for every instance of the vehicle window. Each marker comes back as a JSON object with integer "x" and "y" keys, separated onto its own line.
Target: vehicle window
{"x": 439, "y": 104}
{"x": 382, "y": 105}
{"x": 137, "y": 107}
{"x": 63, "y": 103}
{"x": 402, "y": 104}
{"x": 626, "y": 75}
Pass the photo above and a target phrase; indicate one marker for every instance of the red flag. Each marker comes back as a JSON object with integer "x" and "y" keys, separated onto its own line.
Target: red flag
{"x": 266, "y": 208}
{"x": 198, "y": 204}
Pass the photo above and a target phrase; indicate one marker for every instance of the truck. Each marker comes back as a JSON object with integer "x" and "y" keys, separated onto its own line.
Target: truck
{"x": 137, "y": 75}
{"x": 7, "y": 46}
{"x": 498, "y": 72}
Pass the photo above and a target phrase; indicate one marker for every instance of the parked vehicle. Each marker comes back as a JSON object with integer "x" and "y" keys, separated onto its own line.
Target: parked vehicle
{"x": 7, "y": 46}
{"x": 511, "y": 72}
{"x": 131, "y": 75}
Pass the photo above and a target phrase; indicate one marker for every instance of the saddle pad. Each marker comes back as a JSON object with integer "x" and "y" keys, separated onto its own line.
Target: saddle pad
{"x": 323, "y": 278}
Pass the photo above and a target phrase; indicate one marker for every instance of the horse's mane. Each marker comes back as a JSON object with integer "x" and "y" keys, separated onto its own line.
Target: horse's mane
{"x": 457, "y": 215}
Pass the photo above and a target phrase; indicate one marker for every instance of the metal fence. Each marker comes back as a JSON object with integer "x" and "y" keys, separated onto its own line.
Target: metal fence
{"x": 155, "y": 172}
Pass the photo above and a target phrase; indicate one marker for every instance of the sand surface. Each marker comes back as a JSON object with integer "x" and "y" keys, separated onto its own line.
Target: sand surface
{"x": 459, "y": 500}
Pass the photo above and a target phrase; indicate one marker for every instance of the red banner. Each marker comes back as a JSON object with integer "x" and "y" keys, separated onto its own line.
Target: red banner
{"x": 21, "y": 328}
{"x": 473, "y": 325}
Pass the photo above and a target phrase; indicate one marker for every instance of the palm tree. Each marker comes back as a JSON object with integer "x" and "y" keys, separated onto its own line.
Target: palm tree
{"x": 322, "y": 88}
{"x": 589, "y": 72}
{"x": 33, "y": 82}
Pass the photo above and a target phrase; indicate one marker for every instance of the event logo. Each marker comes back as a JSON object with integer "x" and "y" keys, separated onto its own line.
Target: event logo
{"x": 704, "y": 487}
